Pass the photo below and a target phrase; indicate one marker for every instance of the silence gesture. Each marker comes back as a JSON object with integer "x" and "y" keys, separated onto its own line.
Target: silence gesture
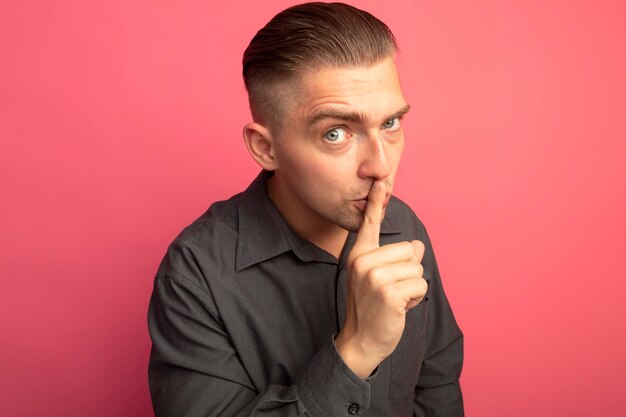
{"x": 383, "y": 284}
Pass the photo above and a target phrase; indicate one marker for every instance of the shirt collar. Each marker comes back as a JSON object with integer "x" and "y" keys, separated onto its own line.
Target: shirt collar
{"x": 264, "y": 234}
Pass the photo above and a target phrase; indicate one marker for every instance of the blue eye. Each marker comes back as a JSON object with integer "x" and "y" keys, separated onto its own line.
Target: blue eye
{"x": 392, "y": 124}
{"x": 336, "y": 135}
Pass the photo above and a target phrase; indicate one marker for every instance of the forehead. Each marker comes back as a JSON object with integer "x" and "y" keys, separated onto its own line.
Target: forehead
{"x": 372, "y": 90}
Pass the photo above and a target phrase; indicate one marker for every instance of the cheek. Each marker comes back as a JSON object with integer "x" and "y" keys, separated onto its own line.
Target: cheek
{"x": 325, "y": 176}
{"x": 310, "y": 165}
{"x": 291, "y": 160}
{"x": 336, "y": 173}
{"x": 302, "y": 170}
{"x": 395, "y": 155}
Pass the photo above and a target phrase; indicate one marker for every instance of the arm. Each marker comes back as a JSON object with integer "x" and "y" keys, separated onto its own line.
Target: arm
{"x": 195, "y": 371}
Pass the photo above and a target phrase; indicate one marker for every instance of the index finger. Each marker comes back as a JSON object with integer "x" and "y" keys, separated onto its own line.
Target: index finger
{"x": 368, "y": 235}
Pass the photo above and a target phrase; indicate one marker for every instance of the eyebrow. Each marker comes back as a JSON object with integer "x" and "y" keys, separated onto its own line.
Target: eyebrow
{"x": 354, "y": 117}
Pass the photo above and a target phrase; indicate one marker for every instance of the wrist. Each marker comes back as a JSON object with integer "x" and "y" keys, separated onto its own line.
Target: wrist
{"x": 355, "y": 356}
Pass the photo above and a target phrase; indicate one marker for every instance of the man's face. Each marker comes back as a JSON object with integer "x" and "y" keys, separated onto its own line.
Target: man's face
{"x": 341, "y": 132}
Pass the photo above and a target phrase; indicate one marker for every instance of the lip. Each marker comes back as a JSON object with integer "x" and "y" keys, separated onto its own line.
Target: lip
{"x": 362, "y": 202}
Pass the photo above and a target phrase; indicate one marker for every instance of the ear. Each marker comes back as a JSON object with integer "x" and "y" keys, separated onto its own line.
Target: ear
{"x": 260, "y": 144}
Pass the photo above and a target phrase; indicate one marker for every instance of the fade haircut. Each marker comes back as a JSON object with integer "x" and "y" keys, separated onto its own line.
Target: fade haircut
{"x": 306, "y": 37}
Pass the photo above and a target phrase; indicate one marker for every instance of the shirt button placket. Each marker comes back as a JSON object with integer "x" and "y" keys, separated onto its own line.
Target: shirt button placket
{"x": 353, "y": 409}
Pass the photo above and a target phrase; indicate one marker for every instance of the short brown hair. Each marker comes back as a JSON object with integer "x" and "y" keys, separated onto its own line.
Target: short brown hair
{"x": 307, "y": 36}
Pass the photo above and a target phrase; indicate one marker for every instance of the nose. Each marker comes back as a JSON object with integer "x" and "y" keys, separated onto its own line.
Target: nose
{"x": 374, "y": 159}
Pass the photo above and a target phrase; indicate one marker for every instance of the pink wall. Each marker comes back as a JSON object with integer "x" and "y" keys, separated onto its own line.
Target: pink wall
{"x": 120, "y": 122}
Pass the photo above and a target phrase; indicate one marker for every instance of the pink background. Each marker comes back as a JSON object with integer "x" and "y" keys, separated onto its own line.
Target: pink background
{"x": 120, "y": 123}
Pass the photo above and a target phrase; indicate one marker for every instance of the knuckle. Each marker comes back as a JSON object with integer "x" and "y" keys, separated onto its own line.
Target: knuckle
{"x": 375, "y": 275}
{"x": 358, "y": 263}
{"x": 388, "y": 293}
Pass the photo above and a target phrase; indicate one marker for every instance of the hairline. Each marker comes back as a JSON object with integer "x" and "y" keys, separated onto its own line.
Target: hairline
{"x": 292, "y": 80}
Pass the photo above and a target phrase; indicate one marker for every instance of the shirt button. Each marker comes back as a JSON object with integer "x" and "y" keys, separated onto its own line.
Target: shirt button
{"x": 353, "y": 409}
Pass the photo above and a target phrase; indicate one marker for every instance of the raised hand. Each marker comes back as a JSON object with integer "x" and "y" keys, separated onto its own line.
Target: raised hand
{"x": 383, "y": 284}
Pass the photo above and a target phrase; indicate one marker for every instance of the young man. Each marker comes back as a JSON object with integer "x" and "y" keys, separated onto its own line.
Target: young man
{"x": 315, "y": 291}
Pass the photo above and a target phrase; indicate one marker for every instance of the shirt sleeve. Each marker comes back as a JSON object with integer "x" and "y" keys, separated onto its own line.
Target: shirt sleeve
{"x": 195, "y": 371}
{"x": 438, "y": 392}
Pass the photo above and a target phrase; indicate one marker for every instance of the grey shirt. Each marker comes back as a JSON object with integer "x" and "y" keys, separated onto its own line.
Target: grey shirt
{"x": 244, "y": 313}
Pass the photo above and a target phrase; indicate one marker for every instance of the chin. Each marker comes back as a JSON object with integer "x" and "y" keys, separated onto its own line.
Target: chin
{"x": 351, "y": 223}
{"x": 354, "y": 223}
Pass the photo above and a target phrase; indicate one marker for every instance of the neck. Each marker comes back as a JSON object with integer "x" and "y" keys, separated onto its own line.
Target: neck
{"x": 305, "y": 222}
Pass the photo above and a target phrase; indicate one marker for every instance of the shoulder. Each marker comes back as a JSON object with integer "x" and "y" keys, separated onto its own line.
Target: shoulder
{"x": 220, "y": 218}
{"x": 205, "y": 247}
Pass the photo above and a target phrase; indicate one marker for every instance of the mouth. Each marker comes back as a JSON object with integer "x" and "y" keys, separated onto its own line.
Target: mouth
{"x": 361, "y": 203}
